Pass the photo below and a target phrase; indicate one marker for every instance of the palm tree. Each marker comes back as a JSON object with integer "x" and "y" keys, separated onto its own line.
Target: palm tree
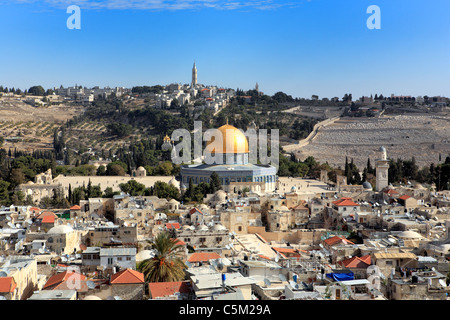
{"x": 166, "y": 265}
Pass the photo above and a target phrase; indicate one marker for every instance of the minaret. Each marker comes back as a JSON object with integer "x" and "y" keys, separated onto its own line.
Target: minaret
{"x": 257, "y": 87}
{"x": 194, "y": 76}
{"x": 382, "y": 171}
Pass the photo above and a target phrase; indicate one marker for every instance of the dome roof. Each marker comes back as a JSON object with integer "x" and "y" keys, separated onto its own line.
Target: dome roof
{"x": 284, "y": 208}
{"x": 91, "y": 298}
{"x": 202, "y": 227}
{"x": 220, "y": 195}
{"x": 367, "y": 185}
{"x": 173, "y": 201}
{"x": 174, "y": 182}
{"x": 141, "y": 168}
{"x": 409, "y": 235}
{"x": 219, "y": 227}
{"x": 233, "y": 141}
{"x": 382, "y": 149}
{"x": 144, "y": 255}
{"x": 60, "y": 229}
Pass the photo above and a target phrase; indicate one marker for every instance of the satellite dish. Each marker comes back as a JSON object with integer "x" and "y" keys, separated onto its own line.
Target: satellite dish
{"x": 117, "y": 298}
{"x": 8, "y": 218}
{"x": 188, "y": 264}
{"x": 3, "y": 274}
{"x": 282, "y": 277}
{"x": 41, "y": 250}
{"x": 293, "y": 284}
{"x": 90, "y": 284}
{"x": 267, "y": 282}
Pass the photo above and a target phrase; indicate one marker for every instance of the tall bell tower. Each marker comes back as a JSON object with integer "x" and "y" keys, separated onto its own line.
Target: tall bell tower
{"x": 382, "y": 170}
{"x": 194, "y": 76}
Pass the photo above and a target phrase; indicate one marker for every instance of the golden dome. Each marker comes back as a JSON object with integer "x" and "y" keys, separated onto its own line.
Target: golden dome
{"x": 234, "y": 141}
{"x": 166, "y": 138}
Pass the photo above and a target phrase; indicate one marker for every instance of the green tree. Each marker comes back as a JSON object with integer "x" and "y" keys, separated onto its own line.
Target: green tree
{"x": 101, "y": 170}
{"x": 215, "y": 184}
{"x": 166, "y": 265}
{"x": 116, "y": 168}
{"x": 36, "y": 91}
{"x": 4, "y": 193}
{"x": 133, "y": 188}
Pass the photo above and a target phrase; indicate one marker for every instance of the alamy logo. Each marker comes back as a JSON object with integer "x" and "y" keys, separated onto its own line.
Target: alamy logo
{"x": 254, "y": 151}
{"x": 374, "y": 21}
{"x": 74, "y": 21}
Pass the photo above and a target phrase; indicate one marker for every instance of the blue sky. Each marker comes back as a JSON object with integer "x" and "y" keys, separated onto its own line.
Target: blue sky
{"x": 300, "y": 47}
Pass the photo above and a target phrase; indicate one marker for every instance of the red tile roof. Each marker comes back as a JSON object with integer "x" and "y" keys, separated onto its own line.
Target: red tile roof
{"x": 336, "y": 239}
{"x": 345, "y": 202}
{"x": 179, "y": 242}
{"x": 203, "y": 256}
{"x": 127, "y": 276}
{"x": 48, "y": 219}
{"x": 46, "y": 214}
{"x": 55, "y": 281}
{"x": 175, "y": 225}
{"x": 193, "y": 210}
{"x": 356, "y": 262}
{"x": 390, "y": 191}
{"x": 7, "y": 284}
{"x": 404, "y": 197}
{"x": 162, "y": 289}
{"x": 286, "y": 252}
{"x": 75, "y": 207}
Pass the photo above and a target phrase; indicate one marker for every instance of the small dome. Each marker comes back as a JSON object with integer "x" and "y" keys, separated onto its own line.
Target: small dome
{"x": 173, "y": 201}
{"x": 409, "y": 235}
{"x": 293, "y": 189}
{"x": 141, "y": 168}
{"x": 144, "y": 255}
{"x": 220, "y": 195}
{"x": 174, "y": 182}
{"x": 419, "y": 186}
{"x": 202, "y": 227}
{"x": 382, "y": 149}
{"x": 62, "y": 229}
{"x": 219, "y": 227}
{"x": 367, "y": 186}
{"x": 284, "y": 208}
{"x": 91, "y": 298}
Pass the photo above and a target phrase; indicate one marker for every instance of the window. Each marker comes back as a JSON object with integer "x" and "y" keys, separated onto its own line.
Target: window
{"x": 119, "y": 258}
{"x": 110, "y": 260}
{"x": 389, "y": 262}
{"x": 128, "y": 258}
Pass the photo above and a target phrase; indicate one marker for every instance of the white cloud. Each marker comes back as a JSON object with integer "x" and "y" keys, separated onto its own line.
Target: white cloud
{"x": 164, "y": 4}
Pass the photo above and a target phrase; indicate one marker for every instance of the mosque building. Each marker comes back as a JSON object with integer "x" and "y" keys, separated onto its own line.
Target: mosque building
{"x": 236, "y": 173}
